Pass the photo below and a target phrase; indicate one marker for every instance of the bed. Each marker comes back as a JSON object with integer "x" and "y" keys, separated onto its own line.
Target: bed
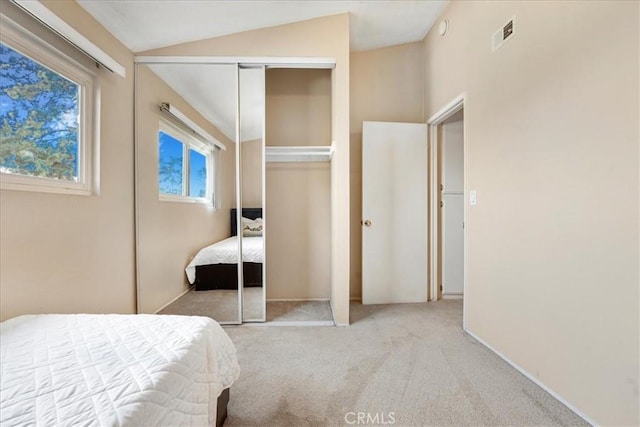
{"x": 215, "y": 266}
{"x": 114, "y": 370}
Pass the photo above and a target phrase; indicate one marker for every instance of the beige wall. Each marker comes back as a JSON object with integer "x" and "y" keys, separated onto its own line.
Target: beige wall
{"x": 551, "y": 122}
{"x": 171, "y": 233}
{"x": 322, "y": 37}
{"x": 298, "y": 231}
{"x": 70, "y": 254}
{"x": 386, "y": 85}
{"x": 298, "y": 107}
{"x": 298, "y": 194}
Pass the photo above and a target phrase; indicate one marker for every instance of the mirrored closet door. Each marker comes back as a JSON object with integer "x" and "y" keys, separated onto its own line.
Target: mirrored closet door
{"x": 201, "y": 220}
{"x": 252, "y": 170}
{"x": 187, "y": 174}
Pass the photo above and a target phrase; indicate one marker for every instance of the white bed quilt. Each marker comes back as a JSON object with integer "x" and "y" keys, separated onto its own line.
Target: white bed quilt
{"x": 113, "y": 370}
{"x": 226, "y": 252}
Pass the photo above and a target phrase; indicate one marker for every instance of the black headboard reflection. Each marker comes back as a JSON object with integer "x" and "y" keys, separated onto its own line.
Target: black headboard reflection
{"x": 251, "y": 213}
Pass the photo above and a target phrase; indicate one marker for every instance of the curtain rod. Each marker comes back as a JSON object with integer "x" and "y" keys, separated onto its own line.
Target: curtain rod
{"x": 52, "y": 21}
{"x": 181, "y": 117}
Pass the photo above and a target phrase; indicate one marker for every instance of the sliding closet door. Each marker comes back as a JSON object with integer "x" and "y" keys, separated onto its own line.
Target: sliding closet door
{"x": 186, "y": 189}
{"x": 252, "y": 164}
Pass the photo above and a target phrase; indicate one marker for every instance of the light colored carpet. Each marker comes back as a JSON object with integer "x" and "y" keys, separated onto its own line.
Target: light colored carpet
{"x": 410, "y": 359}
{"x": 222, "y": 305}
{"x": 299, "y": 311}
{"x": 253, "y": 304}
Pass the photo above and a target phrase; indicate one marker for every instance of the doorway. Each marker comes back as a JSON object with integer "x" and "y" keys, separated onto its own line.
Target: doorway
{"x": 451, "y": 218}
{"x": 447, "y": 203}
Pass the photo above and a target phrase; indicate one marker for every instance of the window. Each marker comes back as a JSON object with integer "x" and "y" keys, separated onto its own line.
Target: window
{"x": 185, "y": 166}
{"x": 46, "y": 117}
{"x": 171, "y": 165}
{"x": 197, "y": 174}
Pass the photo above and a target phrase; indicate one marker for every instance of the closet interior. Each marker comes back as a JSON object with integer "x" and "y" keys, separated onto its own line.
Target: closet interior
{"x": 233, "y": 190}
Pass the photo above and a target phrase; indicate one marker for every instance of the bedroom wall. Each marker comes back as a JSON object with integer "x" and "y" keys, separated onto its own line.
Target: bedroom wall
{"x": 171, "y": 233}
{"x": 321, "y": 37}
{"x": 552, "y": 151}
{"x": 386, "y": 85}
{"x": 298, "y": 194}
{"x": 66, "y": 254}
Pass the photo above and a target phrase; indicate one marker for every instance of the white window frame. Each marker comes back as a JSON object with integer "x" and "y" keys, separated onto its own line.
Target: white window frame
{"x": 38, "y": 50}
{"x": 189, "y": 142}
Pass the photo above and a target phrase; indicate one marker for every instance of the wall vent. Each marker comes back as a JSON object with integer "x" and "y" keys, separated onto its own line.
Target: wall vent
{"x": 505, "y": 33}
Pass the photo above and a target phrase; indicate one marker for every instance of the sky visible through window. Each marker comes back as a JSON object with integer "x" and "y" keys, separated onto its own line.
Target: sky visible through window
{"x": 171, "y": 161}
{"x": 39, "y": 119}
{"x": 197, "y": 174}
{"x": 170, "y": 164}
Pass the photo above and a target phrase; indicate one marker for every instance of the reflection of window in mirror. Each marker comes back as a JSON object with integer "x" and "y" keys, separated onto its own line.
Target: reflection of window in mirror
{"x": 185, "y": 166}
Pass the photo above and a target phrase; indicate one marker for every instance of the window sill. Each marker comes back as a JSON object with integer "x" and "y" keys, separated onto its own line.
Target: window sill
{"x": 39, "y": 185}
{"x": 182, "y": 199}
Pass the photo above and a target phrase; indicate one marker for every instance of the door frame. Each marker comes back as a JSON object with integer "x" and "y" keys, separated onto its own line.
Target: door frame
{"x": 434, "y": 122}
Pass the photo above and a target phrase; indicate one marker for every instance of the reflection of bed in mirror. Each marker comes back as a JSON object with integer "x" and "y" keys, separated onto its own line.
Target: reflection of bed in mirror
{"x": 215, "y": 266}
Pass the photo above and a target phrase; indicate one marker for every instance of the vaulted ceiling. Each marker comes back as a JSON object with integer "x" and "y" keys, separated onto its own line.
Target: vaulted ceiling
{"x": 143, "y": 25}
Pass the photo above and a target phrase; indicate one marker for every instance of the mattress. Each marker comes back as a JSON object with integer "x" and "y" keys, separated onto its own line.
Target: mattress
{"x": 113, "y": 370}
{"x": 226, "y": 252}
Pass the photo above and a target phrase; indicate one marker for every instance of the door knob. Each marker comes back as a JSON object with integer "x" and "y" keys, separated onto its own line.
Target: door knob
{"x": 367, "y": 223}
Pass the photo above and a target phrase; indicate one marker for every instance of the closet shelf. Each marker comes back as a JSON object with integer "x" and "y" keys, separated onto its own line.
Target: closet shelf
{"x": 299, "y": 154}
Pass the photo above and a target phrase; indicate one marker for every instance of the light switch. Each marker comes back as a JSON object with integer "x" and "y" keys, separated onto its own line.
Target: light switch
{"x": 473, "y": 198}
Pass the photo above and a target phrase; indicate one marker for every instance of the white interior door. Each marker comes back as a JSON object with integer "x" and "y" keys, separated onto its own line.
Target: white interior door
{"x": 394, "y": 208}
{"x": 452, "y": 197}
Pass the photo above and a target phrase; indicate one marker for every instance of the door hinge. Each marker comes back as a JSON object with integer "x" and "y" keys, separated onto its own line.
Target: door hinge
{"x": 441, "y": 187}
{"x": 440, "y": 288}
{"x": 441, "y": 204}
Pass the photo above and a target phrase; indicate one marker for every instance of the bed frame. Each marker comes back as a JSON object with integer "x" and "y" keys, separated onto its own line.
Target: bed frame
{"x": 223, "y": 401}
{"x": 225, "y": 276}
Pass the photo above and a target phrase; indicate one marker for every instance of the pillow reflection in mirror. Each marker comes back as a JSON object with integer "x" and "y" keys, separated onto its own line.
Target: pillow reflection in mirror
{"x": 252, "y": 227}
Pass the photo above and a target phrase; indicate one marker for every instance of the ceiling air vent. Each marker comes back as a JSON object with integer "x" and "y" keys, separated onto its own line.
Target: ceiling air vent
{"x": 503, "y": 34}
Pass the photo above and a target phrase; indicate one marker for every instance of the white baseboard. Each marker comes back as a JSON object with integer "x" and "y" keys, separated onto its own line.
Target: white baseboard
{"x": 295, "y": 299}
{"x": 453, "y": 296}
{"x": 534, "y": 379}
{"x": 174, "y": 300}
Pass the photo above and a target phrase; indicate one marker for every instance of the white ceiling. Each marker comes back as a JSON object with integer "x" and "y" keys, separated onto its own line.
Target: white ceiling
{"x": 143, "y": 25}
{"x": 211, "y": 90}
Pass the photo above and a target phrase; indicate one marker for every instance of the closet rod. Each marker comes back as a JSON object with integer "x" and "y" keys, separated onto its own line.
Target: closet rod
{"x": 299, "y": 154}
